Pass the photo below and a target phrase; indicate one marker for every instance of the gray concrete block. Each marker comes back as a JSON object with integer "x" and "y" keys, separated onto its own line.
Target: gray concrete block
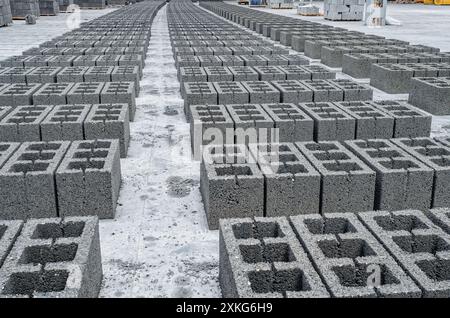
{"x": 330, "y": 122}
{"x": 292, "y": 185}
{"x": 276, "y": 59}
{"x": 231, "y": 60}
{"x": 270, "y": 73}
{"x": 88, "y": 179}
{"x": 243, "y": 73}
{"x": 109, "y": 121}
{"x": 192, "y": 74}
{"x": 23, "y": 123}
{"x": 85, "y": 93}
{"x": 262, "y": 92}
{"x": 120, "y": 92}
{"x": 403, "y": 182}
{"x": 18, "y": 94}
{"x": 353, "y": 91}
{"x": 371, "y": 123}
{"x": 127, "y": 73}
{"x": 430, "y": 94}
{"x": 9, "y": 231}
{"x": 292, "y": 123}
{"x": 187, "y": 60}
{"x": 52, "y": 94}
{"x": 28, "y": 181}
{"x": 64, "y": 122}
{"x": 98, "y": 74}
{"x": 344, "y": 253}
{"x": 435, "y": 156}
{"x": 262, "y": 258}
{"x": 74, "y": 74}
{"x": 6, "y": 151}
{"x": 231, "y": 93}
{"x": 218, "y": 73}
{"x": 254, "y": 60}
{"x": 198, "y": 93}
{"x": 295, "y": 72}
{"x": 209, "y": 60}
{"x": 296, "y": 59}
{"x": 293, "y": 91}
{"x": 319, "y": 72}
{"x": 348, "y": 184}
{"x": 44, "y": 74}
{"x": 54, "y": 258}
{"x": 11, "y": 75}
{"x": 419, "y": 246}
{"x": 324, "y": 91}
{"x": 409, "y": 121}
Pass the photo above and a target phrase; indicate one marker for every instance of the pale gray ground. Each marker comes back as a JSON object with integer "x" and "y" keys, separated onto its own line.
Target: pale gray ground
{"x": 159, "y": 245}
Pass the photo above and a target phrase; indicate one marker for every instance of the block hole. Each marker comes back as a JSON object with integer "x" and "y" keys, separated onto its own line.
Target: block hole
{"x": 422, "y": 243}
{"x": 269, "y": 253}
{"x": 41, "y": 282}
{"x": 58, "y": 230}
{"x": 359, "y": 275}
{"x": 257, "y": 230}
{"x": 329, "y": 226}
{"x": 292, "y": 280}
{"x": 437, "y": 269}
{"x": 348, "y": 248}
{"x": 49, "y": 254}
{"x": 400, "y": 223}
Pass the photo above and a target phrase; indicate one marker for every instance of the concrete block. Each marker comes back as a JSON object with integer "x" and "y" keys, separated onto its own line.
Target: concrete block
{"x": 262, "y": 258}
{"x": 187, "y": 60}
{"x": 293, "y": 91}
{"x": 209, "y": 60}
{"x": 192, "y": 74}
{"x": 324, "y": 91}
{"x": 231, "y": 60}
{"x": 418, "y": 245}
{"x": 98, "y": 74}
{"x": 54, "y": 258}
{"x": 18, "y": 94}
{"x": 262, "y": 92}
{"x": 127, "y": 73}
{"x": 85, "y": 93}
{"x": 120, "y": 92}
{"x": 254, "y": 60}
{"x": 353, "y": 91}
{"x": 64, "y": 122}
{"x": 109, "y": 121}
{"x": 344, "y": 251}
{"x": 231, "y": 93}
{"x": 52, "y": 94}
{"x": 348, "y": 184}
{"x": 198, "y": 93}
{"x": 243, "y": 73}
{"x": 218, "y": 73}
{"x": 295, "y": 72}
{"x": 28, "y": 181}
{"x": 403, "y": 182}
{"x": 45, "y": 74}
{"x": 11, "y": 75}
{"x": 6, "y": 151}
{"x": 88, "y": 179}
{"x": 430, "y": 94}
{"x": 74, "y": 74}
{"x": 270, "y": 73}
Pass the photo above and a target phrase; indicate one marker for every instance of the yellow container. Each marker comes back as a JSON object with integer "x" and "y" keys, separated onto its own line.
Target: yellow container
{"x": 442, "y": 2}
{"x": 428, "y": 1}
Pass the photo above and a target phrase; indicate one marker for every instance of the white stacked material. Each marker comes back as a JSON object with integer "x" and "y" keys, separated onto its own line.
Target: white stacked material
{"x": 343, "y": 10}
{"x": 281, "y": 4}
{"x": 5, "y": 13}
{"x": 308, "y": 10}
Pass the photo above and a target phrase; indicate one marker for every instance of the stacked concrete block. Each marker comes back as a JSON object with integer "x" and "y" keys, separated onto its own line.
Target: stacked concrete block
{"x": 409, "y": 121}
{"x": 22, "y": 8}
{"x": 91, "y": 4}
{"x": 198, "y": 93}
{"x": 218, "y": 74}
{"x": 120, "y": 92}
{"x": 330, "y": 122}
{"x": 371, "y": 123}
{"x": 64, "y": 122}
{"x": 293, "y": 91}
{"x": 418, "y": 245}
{"x": 210, "y": 124}
{"x": 23, "y": 123}
{"x": 403, "y": 182}
{"x": 127, "y": 73}
{"x": 15, "y": 74}
{"x": 109, "y": 121}
{"x": 45, "y": 74}
{"x": 52, "y": 94}
{"x": 291, "y": 122}
{"x": 252, "y": 124}
{"x": 292, "y": 185}
{"x": 73, "y": 74}
{"x": 18, "y": 94}
{"x": 270, "y": 73}
{"x": 437, "y": 157}
{"x": 98, "y": 74}
{"x": 5, "y": 13}
{"x": 231, "y": 60}
{"x": 54, "y": 258}
{"x": 88, "y": 179}
{"x": 262, "y": 92}
{"x": 353, "y": 91}
{"x": 192, "y": 74}
{"x": 261, "y": 258}
{"x": 345, "y": 254}
{"x": 28, "y": 181}
{"x": 231, "y": 93}
{"x": 209, "y": 60}
{"x": 9, "y": 231}
{"x": 85, "y": 93}
{"x": 231, "y": 191}
{"x": 324, "y": 91}
{"x": 244, "y": 73}
{"x": 64, "y": 5}
{"x": 49, "y": 7}
{"x": 348, "y": 184}
{"x": 432, "y": 94}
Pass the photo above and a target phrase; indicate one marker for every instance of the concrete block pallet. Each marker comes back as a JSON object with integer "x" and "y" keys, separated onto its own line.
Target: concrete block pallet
{"x": 5, "y": 13}
{"x": 343, "y": 10}
{"x": 21, "y": 8}
{"x": 48, "y": 7}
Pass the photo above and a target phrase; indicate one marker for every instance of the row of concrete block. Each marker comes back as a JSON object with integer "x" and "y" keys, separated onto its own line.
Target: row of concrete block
{"x": 66, "y": 122}
{"x": 369, "y": 254}
{"x": 324, "y": 177}
{"x": 14, "y": 95}
{"x": 286, "y": 91}
{"x": 397, "y": 78}
{"x": 288, "y": 122}
{"x": 214, "y": 41}
{"x": 252, "y": 73}
{"x": 59, "y": 178}
{"x": 116, "y": 50}
{"x": 231, "y": 50}
{"x": 358, "y": 65}
{"x": 72, "y": 74}
{"x": 50, "y": 258}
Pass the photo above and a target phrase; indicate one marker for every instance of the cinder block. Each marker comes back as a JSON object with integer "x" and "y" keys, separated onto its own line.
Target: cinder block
{"x": 295, "y": 72}
{"x": 324, "y": 91}
{"x": 371, "y": 122}
{"x": 292, "y": 123}
{"x": 54, "y": 258}
{"x": 348, "y": 184}
{"x": 52, "y": 94}
{"x": 346, "y": 255}
{"x": 435, "y": 156}
{"x": 9, "y": 231}
{"x": 64, "y": 122}
{"x": 262, "y": 258}
{"x": 330, "y": 122}
{"x": 409, "y": 121}
{"x": 127, "y": 73}
{"x": 243, "y": 73}
{"x": 45, "y": 74}
{"x": 6, "y": 151}
{"x": 319, "y": 72}
{"x": 109, "y": 121}
{"x": 209, "y": 60}
{"x": 353, "y": 91}
{"x": 293, "y": 91}
{"x": 85, "y": 93}
{"x": 28, "y": 181}
{"x": 74, "y": 74}
{"x": 120, "y": 92}
{"x": 192, "y": 74}
{"x": 187, "y": 60}
{"x": 430, "y": 94}
{"x": 98, "y": 74}
{"x": 292, "y": 185}
{"x": 254, "y": 60}
{"x": 218, "y": 73}
{"x": 88, "y": 179}
{"x": 276, "y": 59}
{"x": 418, "y": 245}
{"x": 262, "y": 92}
{"x": 403, "y": 182}
{"x": 12, "y": 75}
{"x": 296, "y": 59}
{"x": 231, "y": 93}
{"x": 270, "y": 73}
{"x": 23, "y": 123}
{"x": 18, "y": 94}
{"x": 231, "y": 60}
